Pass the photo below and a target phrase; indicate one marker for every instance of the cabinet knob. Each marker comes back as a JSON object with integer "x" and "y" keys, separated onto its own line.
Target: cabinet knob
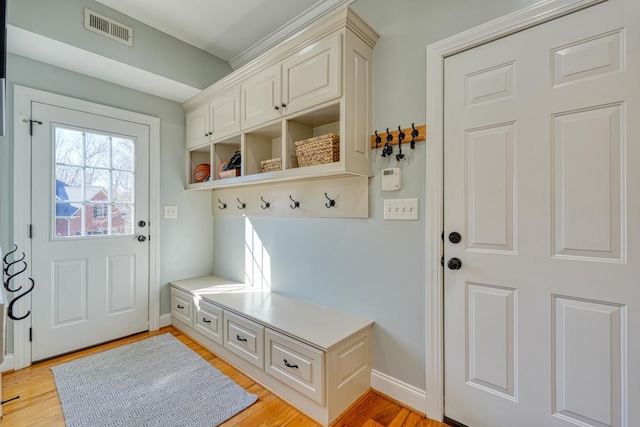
{"x": 284, "y": 105}
{"x": 276, "y": 107}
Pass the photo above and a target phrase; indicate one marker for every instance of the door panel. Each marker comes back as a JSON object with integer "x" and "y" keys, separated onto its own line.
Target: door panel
{"x": 542, "y": 180}
{"x": 90, "y": 192}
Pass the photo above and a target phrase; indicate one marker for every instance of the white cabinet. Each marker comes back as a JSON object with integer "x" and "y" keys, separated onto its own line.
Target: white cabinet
{"x": 182, "y": 306}
{"x": 312, "y": 76}
{"x": 244, "y": 338}
{"x": 209, "y": 321}
{"x": 316, "y": 358}
{"x": 262, "y": 97}
{"x": 215, "y": 120}
{"x": 316, "y": 83}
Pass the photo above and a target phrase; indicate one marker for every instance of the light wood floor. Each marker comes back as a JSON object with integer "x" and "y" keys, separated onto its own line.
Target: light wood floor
{"x": 38, "y": 404}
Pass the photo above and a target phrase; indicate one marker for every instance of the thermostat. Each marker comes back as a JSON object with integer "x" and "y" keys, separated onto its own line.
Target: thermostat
{"x": 390, "y": 180}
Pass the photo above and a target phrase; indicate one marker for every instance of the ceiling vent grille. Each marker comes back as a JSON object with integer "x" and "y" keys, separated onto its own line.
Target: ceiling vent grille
{"x": 108, "y": 27}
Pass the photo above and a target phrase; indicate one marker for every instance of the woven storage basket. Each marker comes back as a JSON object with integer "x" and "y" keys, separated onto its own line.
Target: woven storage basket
{"x": 271, "y": 165}
{"x": 318, "y": 150}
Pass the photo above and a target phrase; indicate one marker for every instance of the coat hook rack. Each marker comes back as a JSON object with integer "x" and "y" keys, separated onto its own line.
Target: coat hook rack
{"x": 401, "y": 136}
{"x": 332, "y": 202}
{"x": 222, "y": 205}
{"x": 266, "y": 205}
{"x": 418, "y": 134}
{"x": 387, "y": 149}
{"x": 295, "y": 204}
{"x": 242, "y": 205}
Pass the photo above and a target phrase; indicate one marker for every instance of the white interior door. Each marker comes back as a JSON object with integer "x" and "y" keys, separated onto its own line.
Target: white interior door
{"x": 542, "y": 182}
{"x": 90, "y": 209}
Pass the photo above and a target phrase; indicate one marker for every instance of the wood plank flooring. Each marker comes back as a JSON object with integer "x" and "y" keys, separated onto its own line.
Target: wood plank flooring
{"x": 38, "y": 404}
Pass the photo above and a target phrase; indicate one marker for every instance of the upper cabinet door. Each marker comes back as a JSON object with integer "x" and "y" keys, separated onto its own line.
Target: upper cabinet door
{"x": 261, "y": 97}
{"x": 198, "y": 127}
{"x": 312, "y": 76}
{"x": 225, "y": 113}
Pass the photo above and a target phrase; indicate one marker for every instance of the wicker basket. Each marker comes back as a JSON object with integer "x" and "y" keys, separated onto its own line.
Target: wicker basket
{"x": 318, "y": 150}
{"x": 271, "y": 165}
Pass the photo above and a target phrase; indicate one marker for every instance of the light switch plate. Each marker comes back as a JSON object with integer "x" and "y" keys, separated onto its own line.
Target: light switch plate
{"x": 401, "y": 209}
{"x": 170, "y": 211}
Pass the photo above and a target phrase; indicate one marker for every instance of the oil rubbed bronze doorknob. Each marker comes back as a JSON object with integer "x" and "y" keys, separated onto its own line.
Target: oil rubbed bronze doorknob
{"x": 455, "y": 237}
{"x": 142, "y": 238}
{"x": 454, "y": 264}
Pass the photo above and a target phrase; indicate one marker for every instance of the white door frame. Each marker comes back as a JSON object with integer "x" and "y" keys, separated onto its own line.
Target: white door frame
{"x": 23, "y": 97}
{"x": 436, "y": 53}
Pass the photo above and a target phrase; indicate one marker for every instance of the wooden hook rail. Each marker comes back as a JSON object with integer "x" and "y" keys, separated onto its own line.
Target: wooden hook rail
{"x": 422, "y": 136}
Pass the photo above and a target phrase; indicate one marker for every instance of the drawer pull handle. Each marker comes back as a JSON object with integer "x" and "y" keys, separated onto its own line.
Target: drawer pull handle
{"x": 239, "y": 338}
{"x": 204, "y": 319}
{"x": 288, "y": 365}
{"x": 181, "y": 307}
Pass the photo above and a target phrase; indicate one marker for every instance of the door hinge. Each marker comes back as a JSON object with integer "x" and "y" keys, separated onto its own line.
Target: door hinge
{"x": 30, "y": 231}
{"x": 31, "y": 122}
{"x": 30, "y": 334}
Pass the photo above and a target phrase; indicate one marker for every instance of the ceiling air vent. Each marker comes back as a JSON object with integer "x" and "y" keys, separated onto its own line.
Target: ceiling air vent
{"x": 108, "y": 27}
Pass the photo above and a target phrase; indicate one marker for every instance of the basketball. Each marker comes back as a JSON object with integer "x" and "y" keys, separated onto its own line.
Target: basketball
{"x": 201, "y": 172}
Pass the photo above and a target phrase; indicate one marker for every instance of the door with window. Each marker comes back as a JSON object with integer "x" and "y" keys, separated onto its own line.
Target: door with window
{"x": 90, "y": 208}
{"x": 542, "y": 224}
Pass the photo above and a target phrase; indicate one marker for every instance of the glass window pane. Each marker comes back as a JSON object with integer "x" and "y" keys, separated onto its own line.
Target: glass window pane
{"x": 121, "y": 219}
{"x": 97, "y": 219}
{"x": 97, "y": 150}
{"x": 68, "y": 177}
{"x": 68, "y": 219}
{"x": 122, "y": 186}
{"x": 122, "y": 154}
{"x": 97, "y": 184}
{"x": 68, "y": 146}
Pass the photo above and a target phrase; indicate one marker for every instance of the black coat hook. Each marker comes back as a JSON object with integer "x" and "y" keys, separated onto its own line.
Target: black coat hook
{"x": 242, "y": 205}
{"x": 378, "y": 139}
{"x": 295, "y": 204}
{"x": 222, "y": 205}
{"x": 401, "y": 136}
{"x": 387, "y": 149}
{"x": 266, "y": 205}
{"x": 332, "y": 202}
{"x": 13, "y": 301}
{"x": 414, "y": 134}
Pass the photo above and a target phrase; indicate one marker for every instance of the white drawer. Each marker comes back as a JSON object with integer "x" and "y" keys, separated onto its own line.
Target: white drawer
{"x": 296, "y": 364}
{"x": 244, "y": 337}
{"x": 182, "y": 306}
{"x": 209, "y": 320}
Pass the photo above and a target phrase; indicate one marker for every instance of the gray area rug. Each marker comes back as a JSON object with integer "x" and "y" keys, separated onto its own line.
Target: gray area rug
{"x": 155, "y": 382}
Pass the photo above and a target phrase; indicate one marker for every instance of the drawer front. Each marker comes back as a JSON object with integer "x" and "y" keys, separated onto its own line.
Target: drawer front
{"x": 244, "y": 337}
{"x": 182, "y": 306}
{"x": 296, "y": 364}
{"x": 209, "y": 321}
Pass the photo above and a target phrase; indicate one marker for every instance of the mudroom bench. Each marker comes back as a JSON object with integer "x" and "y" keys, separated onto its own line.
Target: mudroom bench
{"x": 316, "y": 358}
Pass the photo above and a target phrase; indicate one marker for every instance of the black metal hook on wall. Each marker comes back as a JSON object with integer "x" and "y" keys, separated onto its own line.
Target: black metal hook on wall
{"x": 332, "y": 202}
{"x": 222, "y": 205}
{"x": 9, "y": 264}
{"x": 414, "y": 134}
{"x": 10, "y": 314}
{"x": 378, "y": 139}
{"x": 387, "y": 149}
{"x": 242, "y": 205}
{"x": 295, "y": 204}
{"x": 401, "y": 136}
{"x": 266, "y": 205}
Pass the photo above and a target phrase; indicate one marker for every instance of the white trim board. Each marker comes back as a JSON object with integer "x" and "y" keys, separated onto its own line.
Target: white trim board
{"x": 23, "y": 97}
{"x": 165, "y": 320}
{"x": 400, "y": 391}
{"x": 40, "y": 48}
{"x": 436, "y": 53}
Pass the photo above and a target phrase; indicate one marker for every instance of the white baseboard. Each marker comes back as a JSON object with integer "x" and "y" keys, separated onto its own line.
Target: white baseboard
{"x": 165, "y": 320}
{"x": 404, "y": 393}
{"x": 7, "y": 364}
